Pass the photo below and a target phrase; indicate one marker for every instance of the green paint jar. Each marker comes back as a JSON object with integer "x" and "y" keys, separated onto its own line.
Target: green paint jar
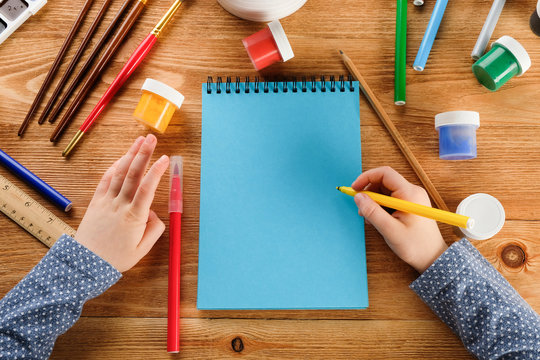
{"x": 506, "y": 59}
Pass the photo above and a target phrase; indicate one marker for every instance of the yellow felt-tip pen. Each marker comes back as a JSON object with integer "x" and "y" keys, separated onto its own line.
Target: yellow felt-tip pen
{"x": 443, "y": 216}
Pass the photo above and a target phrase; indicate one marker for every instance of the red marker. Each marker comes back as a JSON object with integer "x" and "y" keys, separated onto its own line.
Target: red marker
{"x": 175, "y": 241}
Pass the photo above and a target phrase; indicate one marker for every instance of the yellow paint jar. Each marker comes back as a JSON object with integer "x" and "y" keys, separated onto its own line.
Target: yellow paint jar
{"x": 158, "y": 104}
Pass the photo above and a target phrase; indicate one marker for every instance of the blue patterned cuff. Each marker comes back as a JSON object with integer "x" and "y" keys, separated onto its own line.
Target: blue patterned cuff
{"x": 459, "y": 256}
{"x": 79, "y": 258}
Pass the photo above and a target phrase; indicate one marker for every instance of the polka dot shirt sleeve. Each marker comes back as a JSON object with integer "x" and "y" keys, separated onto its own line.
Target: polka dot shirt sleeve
{"x": 49, "y": 300}
{"x": 479, "y": 305}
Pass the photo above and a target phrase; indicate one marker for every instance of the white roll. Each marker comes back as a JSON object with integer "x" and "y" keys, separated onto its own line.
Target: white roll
{"x": 261, "y": 10}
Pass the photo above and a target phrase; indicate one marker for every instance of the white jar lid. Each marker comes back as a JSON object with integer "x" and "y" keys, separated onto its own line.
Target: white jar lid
{"x": 512, "y": 45}
{"x": 165, "y": 91}
{"x": 487, "y": 212}
{"x": 457, "y": 118}
{"x": 261, "y": 10}
{"x": 282, "y": 42}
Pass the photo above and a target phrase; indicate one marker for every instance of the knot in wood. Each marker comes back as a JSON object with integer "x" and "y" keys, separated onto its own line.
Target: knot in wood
{"x": 237, "y": 344}
{"x": 513, "y": 256}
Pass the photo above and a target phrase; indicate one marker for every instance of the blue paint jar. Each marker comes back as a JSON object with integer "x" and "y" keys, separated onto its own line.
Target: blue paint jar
{"x": 457, "y": 134}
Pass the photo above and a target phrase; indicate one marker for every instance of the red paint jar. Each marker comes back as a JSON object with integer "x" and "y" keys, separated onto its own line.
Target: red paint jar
{"x": 268, "y": 46}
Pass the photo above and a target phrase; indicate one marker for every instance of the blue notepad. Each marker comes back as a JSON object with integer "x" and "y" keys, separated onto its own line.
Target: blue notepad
{"x": 274, "y": 231}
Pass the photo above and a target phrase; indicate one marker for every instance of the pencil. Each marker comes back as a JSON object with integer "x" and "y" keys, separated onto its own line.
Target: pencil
{"x": 133, "y": 63}
{"x": 98, "y": 69}
{"x": 401, "y": 53}
{"x": 487, "y": 29}
{"x": 35, "y": 182}
{"x": 387, "y": 122}
{"x": 74, "y": 61}
{"x": 443, "y": 216}
{"x": 55, "y": 66}
{"x": 84, "y": 70}
{"x": 429, "y": 35}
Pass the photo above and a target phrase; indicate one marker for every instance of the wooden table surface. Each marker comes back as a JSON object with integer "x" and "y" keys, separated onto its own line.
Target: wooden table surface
{"x": 129, "y": 320}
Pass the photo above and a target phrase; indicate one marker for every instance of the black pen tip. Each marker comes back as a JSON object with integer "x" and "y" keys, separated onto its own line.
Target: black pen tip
{"x": 341, "y": 52}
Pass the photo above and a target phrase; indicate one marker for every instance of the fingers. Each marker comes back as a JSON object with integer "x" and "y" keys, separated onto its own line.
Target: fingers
{"x": 385, "y": 177}
{"x": 385, "y": 223}
{"x": 138, "y": 167}
{"x": 145, "y": 193}
{"x": 123, "y": 166}
{"x": 154, "y": 229}
{"x": 105, "y": 181}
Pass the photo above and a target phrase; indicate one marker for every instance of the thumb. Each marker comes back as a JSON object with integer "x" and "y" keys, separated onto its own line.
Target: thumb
{"x": 385, "y": 223}
{"x": 154, "y": 229}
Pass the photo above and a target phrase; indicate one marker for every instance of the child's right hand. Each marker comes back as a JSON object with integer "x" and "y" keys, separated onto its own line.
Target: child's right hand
{"x": 415, "y": 239}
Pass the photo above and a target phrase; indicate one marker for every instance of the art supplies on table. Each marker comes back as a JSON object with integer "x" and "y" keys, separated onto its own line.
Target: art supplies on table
{"x": 74, "y": 61}
{"x": 273, "y": 235}
{"x": 534, "y": 21}
{"x": 443, "y": 216}
{"x": 429, "y": 35}
{"x": 55, "y": 66}
{"x": 268, "y": 46}
{"x": 97, "y": 69}
{"x": 401, "y": 53}
{"x": 133, "y": 63}
{"x": 487, "y": 29}
{"x": 488, "y": 214}
{"x": 35, "y": 182}
{"x": 88, "y": 63}
{"x": 394, "y": 132}
{"x": 30, "y": 215}
{"x": 506, "y": 59}
{"x": 175, "y": 246}
{"x": 257, "y": 10}
{"x": 157, "y": 105}
{"x": 457, "y": 134}
{"x": 13, "y": 13}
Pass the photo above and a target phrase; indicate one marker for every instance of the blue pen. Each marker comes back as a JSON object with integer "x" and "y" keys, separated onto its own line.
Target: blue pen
{"x": 39, "y": 185}
{"x": 429, "y": 35}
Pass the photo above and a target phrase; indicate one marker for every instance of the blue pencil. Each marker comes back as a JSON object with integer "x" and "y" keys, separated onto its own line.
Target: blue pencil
{"x": 39, "y": 185}
{"x": 429, "y": 35}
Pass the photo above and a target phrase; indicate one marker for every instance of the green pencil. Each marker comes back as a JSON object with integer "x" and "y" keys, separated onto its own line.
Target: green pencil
{"x": 401, "y": 52}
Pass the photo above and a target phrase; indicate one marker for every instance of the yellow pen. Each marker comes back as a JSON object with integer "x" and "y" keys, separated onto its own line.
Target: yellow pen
{"x": 412, "y": 208}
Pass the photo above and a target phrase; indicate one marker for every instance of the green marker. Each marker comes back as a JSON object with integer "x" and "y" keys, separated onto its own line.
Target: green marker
{"x": 401, "y": 52}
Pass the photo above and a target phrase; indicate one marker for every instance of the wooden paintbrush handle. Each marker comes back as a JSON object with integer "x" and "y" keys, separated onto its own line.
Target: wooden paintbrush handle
{"x": 394, "y": 132}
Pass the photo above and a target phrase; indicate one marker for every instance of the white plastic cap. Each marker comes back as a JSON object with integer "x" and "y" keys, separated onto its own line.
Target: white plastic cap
{"x": 165, "y": 91}
{"x": 457, "y": 118}
{"x": 418, "y": 2}
{"x": 487, "y": 212}
{"x": 512, "y": 45}
{"x": 282, "y": 42}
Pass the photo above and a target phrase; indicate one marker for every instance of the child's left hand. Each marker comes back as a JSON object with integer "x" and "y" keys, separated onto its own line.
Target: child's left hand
{"x": 119, "y": 225}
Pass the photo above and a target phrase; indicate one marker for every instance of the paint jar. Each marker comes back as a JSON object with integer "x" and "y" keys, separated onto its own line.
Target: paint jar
{"x": 457, "y": 134}
{"x": 506, "y": 59}
{"x": 268, "y": 46}
{"x": 534, "y": 21}
{"x": 158, "y": 104}
{"x": 488, "y": 214}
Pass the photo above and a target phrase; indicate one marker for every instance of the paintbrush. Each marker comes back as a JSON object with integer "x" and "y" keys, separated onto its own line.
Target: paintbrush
{"x": 134, "y": 61}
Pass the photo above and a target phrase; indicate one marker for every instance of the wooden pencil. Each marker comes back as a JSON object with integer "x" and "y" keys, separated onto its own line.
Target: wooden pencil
{"x": 99, "y": 68}
{"x": 84, "y": 70}
{"x": 430, "y": 188}
{"x": 74, "y": 60}
{"x": 55, "y": 66}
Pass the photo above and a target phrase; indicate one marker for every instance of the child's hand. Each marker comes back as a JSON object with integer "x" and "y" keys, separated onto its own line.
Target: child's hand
{"x": 119, "y": 225}
{"x": 415, "y": 239}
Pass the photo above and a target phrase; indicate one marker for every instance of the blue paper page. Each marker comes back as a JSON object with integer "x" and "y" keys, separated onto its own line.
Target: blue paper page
{"x": 274, "y": 231}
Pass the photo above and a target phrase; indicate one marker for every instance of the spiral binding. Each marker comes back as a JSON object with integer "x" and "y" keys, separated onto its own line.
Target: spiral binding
{"x": 302, "y": 85}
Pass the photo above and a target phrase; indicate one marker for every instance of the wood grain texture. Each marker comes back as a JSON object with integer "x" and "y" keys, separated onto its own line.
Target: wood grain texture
{"x": 129, "y": 320}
